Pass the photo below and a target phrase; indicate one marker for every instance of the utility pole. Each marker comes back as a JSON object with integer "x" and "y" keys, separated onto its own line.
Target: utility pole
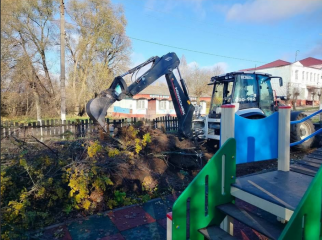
{"x": 296, "y": 54}
{"x": 62, "y": 62}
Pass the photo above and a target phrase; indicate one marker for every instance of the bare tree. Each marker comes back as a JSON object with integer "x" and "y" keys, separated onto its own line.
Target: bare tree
{"x": 198, "y": 78}
{"x": 319, "y": 93}
{"x": 292, "y": 94}
{"x": 314, "y": 92}
{"x": 295, "y": 94}
{"x": 98, "y": 48}
{"x": 31, "y": 34}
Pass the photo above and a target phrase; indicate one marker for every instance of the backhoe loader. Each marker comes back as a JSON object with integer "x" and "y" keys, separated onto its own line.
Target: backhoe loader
{"x": 250, "y": 92}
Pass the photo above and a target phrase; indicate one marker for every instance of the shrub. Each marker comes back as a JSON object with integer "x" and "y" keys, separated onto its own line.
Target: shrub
{"x": 39, "y": 183}
{"x": 94, "y": 148}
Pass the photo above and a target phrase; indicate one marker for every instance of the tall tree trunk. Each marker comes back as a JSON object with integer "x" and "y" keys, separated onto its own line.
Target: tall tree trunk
{"x": 43, "y": 57}
{"x": 27, "y": 108}
{"x": 198, "y": 100}
{"x": 77, "y": 108}
{"x": 37, "y": 103}
{"x": 294, "y": 104}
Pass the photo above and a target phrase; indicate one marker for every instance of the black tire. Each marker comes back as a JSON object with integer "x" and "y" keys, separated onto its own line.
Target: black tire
{"x": 300, "y": 131}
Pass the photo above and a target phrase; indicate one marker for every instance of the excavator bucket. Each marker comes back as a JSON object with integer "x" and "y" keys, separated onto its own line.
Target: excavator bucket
{"x": 97, "y": 108}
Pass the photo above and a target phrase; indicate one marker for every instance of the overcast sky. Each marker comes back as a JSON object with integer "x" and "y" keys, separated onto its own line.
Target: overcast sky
{"x": 235, "y": 34}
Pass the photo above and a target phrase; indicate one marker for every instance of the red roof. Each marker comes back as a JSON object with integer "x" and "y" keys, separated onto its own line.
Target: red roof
{"x": 307, "y": 62}
{"x": 277, "y": 63}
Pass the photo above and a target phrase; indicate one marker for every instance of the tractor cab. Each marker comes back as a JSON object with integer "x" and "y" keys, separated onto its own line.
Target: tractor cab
{"x": 251, "y": 93}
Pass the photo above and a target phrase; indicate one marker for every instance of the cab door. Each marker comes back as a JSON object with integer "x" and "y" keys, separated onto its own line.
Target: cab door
{"x": 266, "y": 97}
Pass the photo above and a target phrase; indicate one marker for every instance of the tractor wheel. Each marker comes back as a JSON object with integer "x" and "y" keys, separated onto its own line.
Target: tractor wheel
{"x": 302, "y": 130}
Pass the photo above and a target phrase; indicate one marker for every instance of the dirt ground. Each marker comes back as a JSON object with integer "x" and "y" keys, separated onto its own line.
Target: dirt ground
{"x": 169, "y": 162}
{"x": 172, "y": 164}
{"x": 166, "y": 165}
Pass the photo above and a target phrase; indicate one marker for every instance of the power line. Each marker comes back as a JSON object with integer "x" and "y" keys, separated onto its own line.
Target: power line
{"x": 185, "y": 49}
{"x": 165, "y": 45}
{"x": 195, "y": 51}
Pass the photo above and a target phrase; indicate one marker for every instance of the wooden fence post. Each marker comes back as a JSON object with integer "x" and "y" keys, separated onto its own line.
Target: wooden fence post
{"x": 3, "y": 134}
{"x": 63, "y": 128}
{"x": 23, "y": 130}
{"x": 35, "y": 130}
{"x": 27, "y": 129}
{"x": 42, "y": 123}
{"x": 57, "y": 129}
{"x": 86, "y": 128}
{"x": 82, "y": 128}
{"x": 11, "y": 128}
{"x": 17, "y": 130}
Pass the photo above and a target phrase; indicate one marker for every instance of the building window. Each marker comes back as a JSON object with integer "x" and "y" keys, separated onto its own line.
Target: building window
{"x": 303, "y": 76}
{"x": 311, "y": 78}
{"x": 307, "y": 76}
{"x": 296, "y": 74}
{"x": 171, "y": 107}
{"x": 141, "y": 104}
{"x": 163, "y": 105}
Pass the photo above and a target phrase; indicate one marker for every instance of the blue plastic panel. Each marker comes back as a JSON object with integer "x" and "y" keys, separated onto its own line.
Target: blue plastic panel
{"x": 256, "y": 139}
{"x": 121, "y": 110}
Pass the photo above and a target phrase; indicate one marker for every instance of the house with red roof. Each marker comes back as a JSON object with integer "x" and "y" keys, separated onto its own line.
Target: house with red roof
{"x": 303, "y": 77}
{"x": 154, "y": 101}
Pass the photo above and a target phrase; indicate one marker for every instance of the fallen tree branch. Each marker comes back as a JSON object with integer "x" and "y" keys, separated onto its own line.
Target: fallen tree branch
{"x": 56, "y": 153}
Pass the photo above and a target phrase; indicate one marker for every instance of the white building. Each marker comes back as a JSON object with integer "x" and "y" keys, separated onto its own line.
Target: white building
{"x": 304, "y": 75}
{"x": 152, "y": 102}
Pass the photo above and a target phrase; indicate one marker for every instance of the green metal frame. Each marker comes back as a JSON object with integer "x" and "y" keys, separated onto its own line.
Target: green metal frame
{"x": 305, "y": 222}
{"x": 196, "y": 192}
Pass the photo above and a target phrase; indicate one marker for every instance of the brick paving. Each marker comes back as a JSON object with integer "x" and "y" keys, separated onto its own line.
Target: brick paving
{"x": 144, "y": 222}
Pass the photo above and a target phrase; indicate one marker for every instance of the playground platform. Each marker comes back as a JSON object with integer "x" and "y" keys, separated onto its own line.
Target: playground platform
{"x": 291, "y": 195}
{"x": 271, "y": 202}
{"x": 280, "y": 188}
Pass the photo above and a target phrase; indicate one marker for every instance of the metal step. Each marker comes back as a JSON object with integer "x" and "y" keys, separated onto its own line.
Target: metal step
{"x": 303, "y": 170}
{"x": 317, "y": 161}
{"x": 315, "y": 155}
{"x": 308, "y": 163}
{"x": 261, "y": 225}
{"x": 215, "y": 233}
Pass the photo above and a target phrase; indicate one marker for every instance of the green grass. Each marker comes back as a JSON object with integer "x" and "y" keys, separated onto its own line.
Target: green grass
{"x": 308, "y": 108}
{"x": 26, "y": 120}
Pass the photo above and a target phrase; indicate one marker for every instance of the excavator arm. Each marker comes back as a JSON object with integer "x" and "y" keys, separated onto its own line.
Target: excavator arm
{"x": 97, "y": 108}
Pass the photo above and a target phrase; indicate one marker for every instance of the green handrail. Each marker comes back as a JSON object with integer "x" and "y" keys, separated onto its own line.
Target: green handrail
{"x": 305, "y": 222}
{"x": 217, "y": 193}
